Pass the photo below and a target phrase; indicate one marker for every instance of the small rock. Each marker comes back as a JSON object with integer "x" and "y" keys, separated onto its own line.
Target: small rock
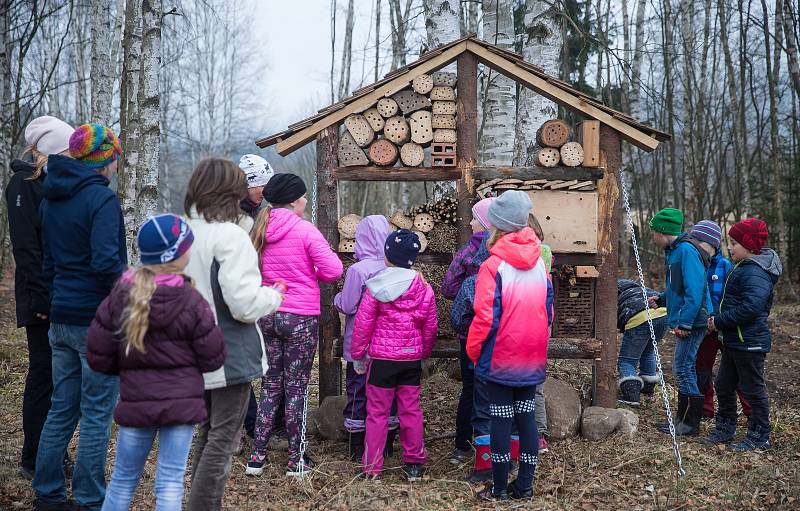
{"x": 563, "y": 409}
{"x": 628, "y": 422}
{"x": 329, "y": 418}
{"x": 598, "y": 422}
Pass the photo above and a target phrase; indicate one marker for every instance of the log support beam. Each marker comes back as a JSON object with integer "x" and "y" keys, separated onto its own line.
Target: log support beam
{"x": 467, "y": 139}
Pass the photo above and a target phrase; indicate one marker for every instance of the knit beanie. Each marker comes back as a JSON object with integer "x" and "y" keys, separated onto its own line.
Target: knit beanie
{"x": 163, "y": 238}
{"x": 257, "y": 169}
{"x": 668, "y": 221}
{"x": 284, "y": 189}
{"x": 481, "y": 211}
{"x": 48, "y": 135}
{"x": 708, "y": 231}
{"x": 751, "y": 233}
{"x": 509, "y": 212}
{"x": 402, "y": 248}
{"x": 95, "y": 145}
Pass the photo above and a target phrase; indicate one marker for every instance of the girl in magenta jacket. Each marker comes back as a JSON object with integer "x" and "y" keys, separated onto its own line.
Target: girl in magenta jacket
{"x": 294, "y": 252}
{"x": 396, "y": 326}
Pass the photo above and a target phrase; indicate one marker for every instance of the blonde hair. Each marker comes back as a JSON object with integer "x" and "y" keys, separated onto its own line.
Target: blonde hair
{"x": 39, "y": 161}
{"x": 534, "y": 224}
{"x": 258, "y": 235}
{"x": 495, "y": 236}
{"x": 136, "y": 316}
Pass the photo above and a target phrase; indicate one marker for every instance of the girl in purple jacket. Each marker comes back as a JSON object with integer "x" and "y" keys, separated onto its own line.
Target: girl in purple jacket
{"x": 158, "y": 334}
{"x": 396, "y": 326}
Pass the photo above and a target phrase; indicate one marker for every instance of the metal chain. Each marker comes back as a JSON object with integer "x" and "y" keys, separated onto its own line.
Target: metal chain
{"x": 314, "y": 200}
{"x": 675, "y": 447}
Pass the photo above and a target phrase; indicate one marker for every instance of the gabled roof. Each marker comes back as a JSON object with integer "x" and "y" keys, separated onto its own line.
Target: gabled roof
{"x": 503, "y": 61}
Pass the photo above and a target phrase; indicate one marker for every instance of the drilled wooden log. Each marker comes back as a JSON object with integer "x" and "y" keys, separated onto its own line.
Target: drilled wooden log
{"x": 445, "y": 136}
{"x": 375, "y": 119}
{"x": 553, "y": 133}
{"x": 361, "y": 130}
{"x": 396, "y": 130}
{"x": 443, "y": 94}
{"x": 349, "y": 153}
{"x": 422, "y": 84}
{"x": 423, "y": 241}
{"x": 421, "y": 131}
{"x": 444, "y": 108}
{"x": 382, "y": 152}
{"x": 447, "y": 122}
{"x": 387, "y": 107}
{"x": 410, "y": 101}
{"x": 347, "y": 225}
{"x": 571, "y": 154}
{"x": 401, "y": 220}
{"x": 347, "y": 246}
{"x": 444, "y": 79}
{"x": 424, "y": 222}
{"x": 412, "y": 154}
{"x": 548, "y": 157}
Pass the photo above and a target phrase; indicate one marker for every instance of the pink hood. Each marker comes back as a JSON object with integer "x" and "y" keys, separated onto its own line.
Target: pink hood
{"x": 397, "y": 317}
{"x": 297, "y": 253}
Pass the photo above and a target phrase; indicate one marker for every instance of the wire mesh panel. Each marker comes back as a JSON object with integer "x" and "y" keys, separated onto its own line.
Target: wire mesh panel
{"x": 574, "y": 307}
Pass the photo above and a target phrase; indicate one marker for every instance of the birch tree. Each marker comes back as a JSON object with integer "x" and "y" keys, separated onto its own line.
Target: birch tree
{"x": 441, "y": 21}
{"x": 102, "y": 72}
{"x": 500, "y": 92}
{"x": 150, "y": 111}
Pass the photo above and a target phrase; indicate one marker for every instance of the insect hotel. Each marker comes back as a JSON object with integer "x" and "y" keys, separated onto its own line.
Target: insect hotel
{"x": 421, "y": 124}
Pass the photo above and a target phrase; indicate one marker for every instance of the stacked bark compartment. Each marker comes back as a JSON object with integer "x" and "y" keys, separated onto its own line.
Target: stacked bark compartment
{"x": 555, "y": 148}
{"x": 400, "y": 127}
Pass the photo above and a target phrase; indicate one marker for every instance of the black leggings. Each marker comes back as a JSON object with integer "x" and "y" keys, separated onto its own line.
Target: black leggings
{"x": 38, "y": 390}
{"x": 509, "y": 405}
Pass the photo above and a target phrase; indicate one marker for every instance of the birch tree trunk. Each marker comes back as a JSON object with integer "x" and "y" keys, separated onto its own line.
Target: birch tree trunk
{"x": 541, "y": 44}
{"x": 499, "y": 106}
{"x": 102, "y": 75}
{"x": 347, "y": 52}
{"x": 791, "y": 45}
{"x": 441, "y": 21}
{"x": 149, "y": 111}
{"x": 636, "y": 68}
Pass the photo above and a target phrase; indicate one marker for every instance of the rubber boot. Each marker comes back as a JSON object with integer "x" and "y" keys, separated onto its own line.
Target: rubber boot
{"x": 649, "y": 382}
{"x": 514, "y": 447}
{"x": 482, "y": 471}
{"x": 357, "y": 446}
{"x": 683, "y": 404}
{"x": 690, "y": 424}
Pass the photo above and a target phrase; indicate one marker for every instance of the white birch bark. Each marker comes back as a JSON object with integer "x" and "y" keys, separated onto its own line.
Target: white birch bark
{"x": 496, "y": 145}
{"x": 442, "y": 23}
{"x": 541, "y": 45}
{"x": 636, "y": 68}
{"x": 150, "y": 111}
{"x": 102, "y": 73}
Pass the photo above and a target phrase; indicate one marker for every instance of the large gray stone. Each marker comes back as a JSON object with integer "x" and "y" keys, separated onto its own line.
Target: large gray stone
{"x": 563, "y": 409}
{"x": 628, "y": 422}
{"x": 598, "y": 423}
{"x": 329, "y": 418}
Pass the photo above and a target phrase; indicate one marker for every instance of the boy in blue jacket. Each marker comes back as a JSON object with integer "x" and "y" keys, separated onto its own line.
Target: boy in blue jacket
{"x": 688, "y": 306}
{"x": 742, "y": 321}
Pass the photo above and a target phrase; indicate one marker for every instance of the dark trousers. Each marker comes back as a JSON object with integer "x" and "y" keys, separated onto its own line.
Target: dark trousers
{"x": 252, "y": 414}
{"x": 464, "y": 413}
{"x": 507, "y": 405}
{"x": 355, "y": 410}
{"x": 706, "y": 357}
{"x": 38, "y": 391}
{"x": 745, "y": 369}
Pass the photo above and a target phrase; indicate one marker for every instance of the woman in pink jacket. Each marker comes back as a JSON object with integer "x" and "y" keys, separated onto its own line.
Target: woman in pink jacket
{"x": 396, "y": 326}
{"x": 294, "y": 252}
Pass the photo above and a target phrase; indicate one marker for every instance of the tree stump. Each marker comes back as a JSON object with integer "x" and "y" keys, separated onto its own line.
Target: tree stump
{"x": 445, "y": 136}
{"x": 360, "y": 129}
{"x": 421, "y": 131}
{"x": 444, "y": 79}
{"x": 422, "y": 84}
{"x": 444, "y": 108}
{"x": 375, "y": 119}
{"x": 412, "y": 154}
{"x": 349, "y": 153}
{"x": 447, "y": 122}
{"x": 383, "y": 153}
{"x": 548, "y": 157}
{"x": 387, "y": 107}
{"x": 553, "y": 133}
{"x": 443, "y": 94}
{"x": 410, "y": 101}
{"x": 396, "y": 130}
{"x": 571, "y": 154}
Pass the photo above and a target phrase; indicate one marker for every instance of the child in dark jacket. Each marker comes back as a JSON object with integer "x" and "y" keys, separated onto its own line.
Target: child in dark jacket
{"x": 742, "y": 321}
{"x": 396, "y": 326}
{"x": 508, "y": 339}
{"x": 159, "y": 335}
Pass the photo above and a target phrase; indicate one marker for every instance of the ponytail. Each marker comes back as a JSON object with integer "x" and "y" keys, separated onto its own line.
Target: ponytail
{"x": 39, "y": 161}
{"x": 495, "y": 236}
{"x": 259, "y": 233}
{"x": 135, "y": 317}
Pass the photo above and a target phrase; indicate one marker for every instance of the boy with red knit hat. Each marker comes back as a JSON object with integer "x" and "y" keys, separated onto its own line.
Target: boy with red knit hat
{"x": 742, "y": 322}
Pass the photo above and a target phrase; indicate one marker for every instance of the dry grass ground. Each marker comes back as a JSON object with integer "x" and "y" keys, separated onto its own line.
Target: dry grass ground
{"x": 618, "y": 473}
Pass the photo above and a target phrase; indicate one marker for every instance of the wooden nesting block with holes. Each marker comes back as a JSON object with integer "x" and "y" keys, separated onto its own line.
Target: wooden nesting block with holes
{"x": 421, "y": 131}
{"x": 443, "y": 94}
{"x": 447, "y": 122}
{"x": 553, "y": 133}
{"x": 422, "y": 84}
{"x": 384, "y": 153}
{"x": 588, "y": 134}
{"x": 349, "y": 152}
{"x": 375, "y": 119}
{"x": 445, "y": 136}
{"x": 444, "y": 108}
{"x": 387, "y": 107}
{"x": 396, "y": 130}
{"x": 444, "y": 79}
{"x": 412, "y": 155}
{"x": 410, "y": 101}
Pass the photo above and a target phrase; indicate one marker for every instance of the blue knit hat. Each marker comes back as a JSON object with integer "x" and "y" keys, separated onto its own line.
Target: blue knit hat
{"x": 402, "y": 248}
{"x": 163, "y": 238}
{"x": 708, "y": 231}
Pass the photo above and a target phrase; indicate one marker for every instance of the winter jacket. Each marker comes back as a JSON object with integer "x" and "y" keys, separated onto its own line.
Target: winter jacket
{"x": 397, "y": 317}
{"x": 462, "y": 312}
{"x": 746, "y": 303}
{"x": 224, "y": 267}
{"x": 83, "y": 239}
{"x": 630, "y": 301}
{"x": 462, "y": 266}
{"x": 686, "y": 296}
{"x": 23, "y": 196}
{"x": 164, "y": 385}
{"x": 250, "y": 209}
{"x": 296, "y": 252}
{"x": 371, "y": 234}
{"x": 716, "y": 274}
{"x": 508, "y": 336}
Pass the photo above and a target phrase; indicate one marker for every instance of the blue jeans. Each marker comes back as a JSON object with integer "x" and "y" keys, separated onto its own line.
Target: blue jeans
{"x": 79, "y": 393}
{"x": 683, "y": 362}
{"x": 636, "y": 350}
{"x": 133, "y": 446}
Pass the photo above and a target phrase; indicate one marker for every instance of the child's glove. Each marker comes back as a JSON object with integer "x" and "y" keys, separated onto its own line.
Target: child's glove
{"x": 360, "y": 366}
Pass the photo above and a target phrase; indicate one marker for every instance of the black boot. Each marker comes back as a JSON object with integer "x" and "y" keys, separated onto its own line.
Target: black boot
{"x": 690, "y": 424}
{"x": 357, "y": 446}
{"x": 388, "y": 451}
{"x": 683, "y": 404}
{"x": 629, "y": 390}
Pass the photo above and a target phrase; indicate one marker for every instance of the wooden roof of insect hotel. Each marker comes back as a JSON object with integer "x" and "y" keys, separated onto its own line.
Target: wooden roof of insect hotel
{"x": 499, "y": 59}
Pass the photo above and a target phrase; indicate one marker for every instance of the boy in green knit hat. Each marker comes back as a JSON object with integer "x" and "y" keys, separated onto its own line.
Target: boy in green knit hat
{"x": 688, "y": 305}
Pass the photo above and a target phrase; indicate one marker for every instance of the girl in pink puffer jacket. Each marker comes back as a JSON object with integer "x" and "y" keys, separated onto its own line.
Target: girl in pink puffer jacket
{"x": 294, "y": 252}
{"x": 396, "y": 326}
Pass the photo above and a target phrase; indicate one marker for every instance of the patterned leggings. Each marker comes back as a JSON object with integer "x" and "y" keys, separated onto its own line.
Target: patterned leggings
{"x": 507, "y": 405}
{"x": 291, "y": 343}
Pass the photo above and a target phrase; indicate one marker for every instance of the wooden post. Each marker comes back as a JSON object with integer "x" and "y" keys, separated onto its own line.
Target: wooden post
{"x": 330, "y": 367}
{"x": 467, "y": 136}
{"x": 608, "y": 258}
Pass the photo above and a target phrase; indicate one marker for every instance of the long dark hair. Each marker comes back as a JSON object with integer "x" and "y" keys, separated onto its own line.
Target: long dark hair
{"x": 216, "y": 188}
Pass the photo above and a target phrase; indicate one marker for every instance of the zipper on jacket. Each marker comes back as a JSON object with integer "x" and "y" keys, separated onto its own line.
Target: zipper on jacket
{"x": 722, "y": 301}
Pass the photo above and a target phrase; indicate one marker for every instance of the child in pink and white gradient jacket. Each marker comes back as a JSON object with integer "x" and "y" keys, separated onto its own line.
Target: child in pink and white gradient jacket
{"x": 396, "y": 325}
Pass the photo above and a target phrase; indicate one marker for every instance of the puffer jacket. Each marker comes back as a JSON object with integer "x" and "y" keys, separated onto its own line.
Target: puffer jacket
{"x": 747, "y": 301}
{"x": 297, "y": 253}
{"x": 463, "y": 310}
{"x": 686, "y": 296}
{"x": 397, "y": 317}
{"x": 462, "y": 266}
{"x": 164, "y": 385}
{"x": 630, "y": 301}
{"x": 509, "y": 334}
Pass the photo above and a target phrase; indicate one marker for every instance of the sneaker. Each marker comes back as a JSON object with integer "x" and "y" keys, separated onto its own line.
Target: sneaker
{"x": 292, "y": 468}
{"x": 256, "y": 465}
{"x": 757, "y": 439}
{"x": 25, "y": 472}
{"x": 724, "y": 431}
{"x": 414, "y": 471}
{"x": 543, "y": 444}
{"x": 459, "y": 456}
{"x": 488, "y": 494}
{"x": 515, "y": 494}
{"x": 369, "y": 477}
